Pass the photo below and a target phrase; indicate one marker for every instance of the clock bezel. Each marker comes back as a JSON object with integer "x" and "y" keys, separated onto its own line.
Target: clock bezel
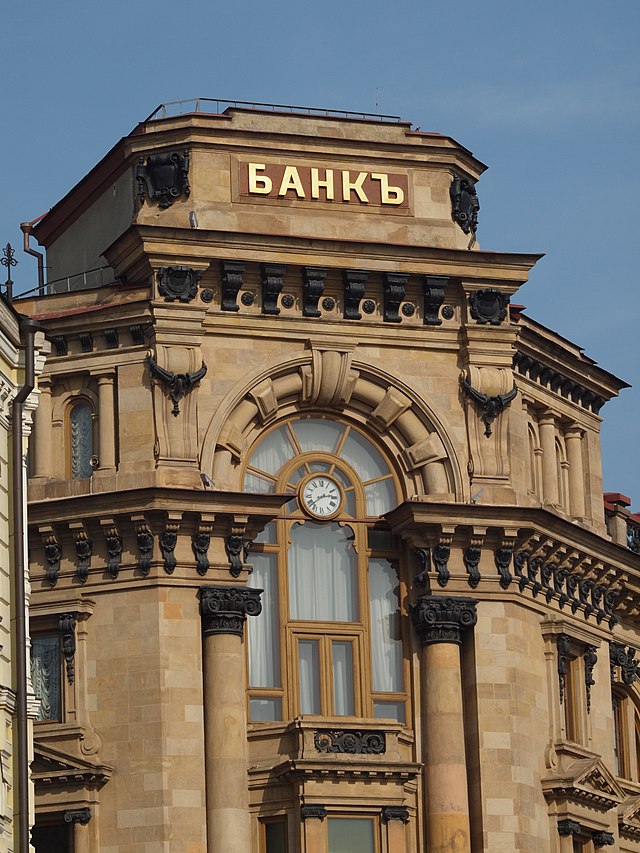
{"x": 316, "y": 475}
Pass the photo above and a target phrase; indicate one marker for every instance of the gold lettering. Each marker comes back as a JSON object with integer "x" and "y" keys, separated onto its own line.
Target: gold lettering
{"x": 353, "y": 186}
{"x": 316, "y": 183}
{"x": 260, "y": 184}
{"x": 291, "y": 181}
{"x": 389, "y": 195}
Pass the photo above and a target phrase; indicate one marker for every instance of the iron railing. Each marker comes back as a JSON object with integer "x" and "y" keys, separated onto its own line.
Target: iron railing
{"x": 87, "y": 279}
{"x": 206, "y": 105}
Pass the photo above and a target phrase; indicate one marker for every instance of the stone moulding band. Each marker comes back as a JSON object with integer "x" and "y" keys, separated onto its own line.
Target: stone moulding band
{"x": 224, "y": 608}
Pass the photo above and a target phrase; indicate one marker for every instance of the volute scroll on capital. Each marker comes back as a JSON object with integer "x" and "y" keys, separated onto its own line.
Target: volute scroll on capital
{"x": 440, "y": 619}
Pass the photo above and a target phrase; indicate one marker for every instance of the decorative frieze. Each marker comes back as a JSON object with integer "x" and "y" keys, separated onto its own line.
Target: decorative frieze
{"x": 555, "y": 381}
{"x": 443, "y": 620}
{"x": 224, "y": 608}
{"x": 352, "y": 742}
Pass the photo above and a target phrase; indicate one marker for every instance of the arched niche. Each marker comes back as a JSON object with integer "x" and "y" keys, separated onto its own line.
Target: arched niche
{"x": 329, "y": 380}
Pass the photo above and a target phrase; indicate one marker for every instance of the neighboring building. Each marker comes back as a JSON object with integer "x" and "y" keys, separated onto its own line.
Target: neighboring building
{"x": 12, "y": 380}
{"x": 318, "y": 552}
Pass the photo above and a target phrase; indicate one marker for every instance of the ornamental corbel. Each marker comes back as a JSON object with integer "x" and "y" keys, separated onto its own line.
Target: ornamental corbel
{"x": 200, "y": 542}
{"x": 471, "y": 555}
{"x": 236, "y": 544}
{"x": 168, "y": 540}
{"x": 144, "y": 538}
{"x": 84, "y": 549}
{"x": 491, "y": 405}
{"x": 503, "y": 556}
{"x": 52, "y": 553}
{"x": 114, "y": 545}
{"x": 178, "y": 384}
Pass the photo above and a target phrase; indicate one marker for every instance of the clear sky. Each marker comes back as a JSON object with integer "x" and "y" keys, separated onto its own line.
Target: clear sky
{"x": 546, "y": 93}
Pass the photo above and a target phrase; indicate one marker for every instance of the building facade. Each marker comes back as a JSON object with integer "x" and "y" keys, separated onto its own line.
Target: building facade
{"x": 318, "y": 549}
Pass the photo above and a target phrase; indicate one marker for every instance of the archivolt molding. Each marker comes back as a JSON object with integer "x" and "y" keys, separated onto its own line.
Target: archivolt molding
{"x": 328, "y": 377}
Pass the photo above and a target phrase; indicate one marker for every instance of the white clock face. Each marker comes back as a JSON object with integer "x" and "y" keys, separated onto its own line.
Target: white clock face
{"x": 321, "y": 496}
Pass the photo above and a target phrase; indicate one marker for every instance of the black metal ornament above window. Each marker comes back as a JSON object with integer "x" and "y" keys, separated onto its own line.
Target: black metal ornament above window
{"x": 464, "y": 204}
{"x": 178, "y": 283}
{"x": 163, "y": 177}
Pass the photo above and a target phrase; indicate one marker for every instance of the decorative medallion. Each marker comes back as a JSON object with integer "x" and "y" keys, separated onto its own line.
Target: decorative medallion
{"x": 206, "y": 295}
{"x": 287, "y": 301}
{"x": 369, "y": 306}
{"x": 248, "y": 298}
{"x": 464, "y": 204}
{"x": 178, "y": 283}
{"x": 350, "y": 742}
{"x": 408, "y": 309}
{"x": 163, "y": 177}
{"x": 447, "y": 312}
{"x": 328, "y": 303}
{"x": 488, "y": 306}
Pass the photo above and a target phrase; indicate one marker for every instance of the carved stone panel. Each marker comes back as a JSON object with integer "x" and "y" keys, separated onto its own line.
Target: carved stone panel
{"x": 163, "y": 177}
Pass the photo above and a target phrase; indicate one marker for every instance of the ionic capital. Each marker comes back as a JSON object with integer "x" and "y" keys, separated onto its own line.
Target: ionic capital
{"x": 224, "y": 608}
{"x": 443, "y": 620}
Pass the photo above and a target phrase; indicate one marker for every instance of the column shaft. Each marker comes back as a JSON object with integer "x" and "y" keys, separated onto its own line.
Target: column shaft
{"x": 43, "y": 433}
{"x": 81, "y": 838}
{"x": 106, "y": 423}
{"x": 573, "y": 440}
{"x": 549, "y": 461}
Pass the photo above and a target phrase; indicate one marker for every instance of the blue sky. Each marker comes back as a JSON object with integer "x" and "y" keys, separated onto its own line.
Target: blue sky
{"x": 546, "y": 94}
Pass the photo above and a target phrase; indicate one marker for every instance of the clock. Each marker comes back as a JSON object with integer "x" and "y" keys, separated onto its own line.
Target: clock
{"x": 321, "y": 496}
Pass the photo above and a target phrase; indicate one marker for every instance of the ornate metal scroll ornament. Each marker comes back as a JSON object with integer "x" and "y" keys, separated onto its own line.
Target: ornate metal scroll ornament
{"x": 350, "y": 742}
{"x": 503, "y": 557}
{"x": 464, "y": 204}
{"x": 563, "y": 644}
{"x": 590, "y": 657}
{"x": 471, "y": 557}
{"x": 394, "y": 290}
{"x": 491, "y": 406}
{"x": 164, "y": 177}
{"x": 394, "y": 813}
{"x": 67, "y": 627}
{"x": 200, "y": 544}
{"x": 354, "y": 286}
{"x": 224, "y": 608}
{"x": 53, "y": 555}
{"x": 625, "y": 658}
{"x": 312, "y": 290}
{"x": 443, "y": 620}
{"x": 178, "y": 283}
{"x": 81, "y": 816}
{"x": 84, "y": 548}
{"x": 488, "y": 306}
{"x": 178, "y": 383}
{"x": 168, "y": 541}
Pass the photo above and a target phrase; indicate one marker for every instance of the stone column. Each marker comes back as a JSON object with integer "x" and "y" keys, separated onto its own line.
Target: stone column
{"x": 395, "y": 818}
{"x": 440, "y": 622}
{"x": 106, "y": 422}
{"x": 573, "y": 441}
{"x": 44, "y": 428}
{"x": 80, "y": 819}
{"x": 315, "y": 834}
{"x": 223, "y": 610}
{"x": 547, "y": 427}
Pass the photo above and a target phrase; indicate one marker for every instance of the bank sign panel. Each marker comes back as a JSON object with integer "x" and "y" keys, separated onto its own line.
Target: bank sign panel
{"x": 320, "y": 184}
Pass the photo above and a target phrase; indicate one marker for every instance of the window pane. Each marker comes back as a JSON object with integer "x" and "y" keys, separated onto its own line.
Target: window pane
{"x": 264, "y": 630}
{"x": 45, "y": 675}
{"x": 265, "y": 709}
{"x": 381, "y": 497}
{"x": 317, "y": 434}
{"x": 343, "y": 698}
{"x": 258, "y": 485}
{"x": 268, "y": 536}
{"x": 273, "y": 451}
{"x": 323, "y": 573}
{"x": 351, "y": 835}
{"x": 81, "y": 441}
{"x": 380, "y": 540}
{"x": 308, "y": 655}
{"x": 275, "y": 837}
{"x": 366, "y": 461}
{"x": 389, "y": 711}
{"x": 386, "y": 642}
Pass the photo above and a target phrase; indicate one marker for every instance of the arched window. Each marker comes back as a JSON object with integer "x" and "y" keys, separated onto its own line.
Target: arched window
{"x": 626, "y": 732}
{"x": 329, "y": 639}
{"x": 81, "y": 440}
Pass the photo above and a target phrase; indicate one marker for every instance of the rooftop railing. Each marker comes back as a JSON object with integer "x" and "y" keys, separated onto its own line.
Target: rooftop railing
{"x": 219, "y": 105}
{"x": 96, "y": 277}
